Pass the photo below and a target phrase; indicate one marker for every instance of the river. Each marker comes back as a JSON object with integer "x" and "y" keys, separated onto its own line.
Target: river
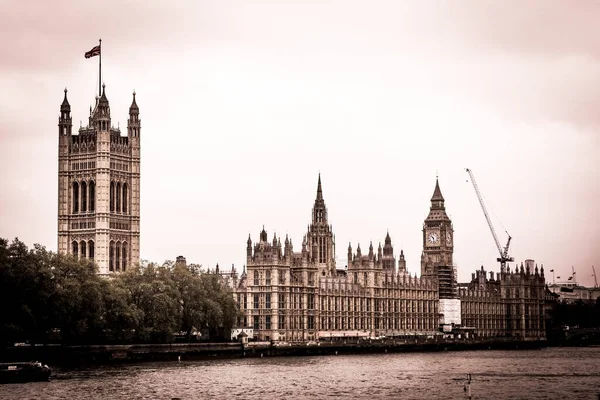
{"x": 551, "y": 373}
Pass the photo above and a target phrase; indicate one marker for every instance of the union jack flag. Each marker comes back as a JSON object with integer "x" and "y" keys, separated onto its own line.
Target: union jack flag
{"x": 93, "y": 52}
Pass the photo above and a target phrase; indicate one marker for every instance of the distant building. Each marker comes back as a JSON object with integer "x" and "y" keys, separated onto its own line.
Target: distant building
{"x": 510, "y": 305}
{"x": 571, "y": 292}
{"x": 99, "y": 188}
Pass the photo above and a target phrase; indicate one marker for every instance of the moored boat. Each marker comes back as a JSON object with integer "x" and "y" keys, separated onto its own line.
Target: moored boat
{"x": 18, "y": 372}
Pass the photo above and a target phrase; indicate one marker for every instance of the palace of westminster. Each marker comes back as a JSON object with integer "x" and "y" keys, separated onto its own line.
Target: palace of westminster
{"x": 282, "y": 294}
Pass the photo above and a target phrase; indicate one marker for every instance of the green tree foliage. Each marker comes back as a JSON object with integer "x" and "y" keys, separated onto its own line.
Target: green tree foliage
{"x": 44, "y": 293}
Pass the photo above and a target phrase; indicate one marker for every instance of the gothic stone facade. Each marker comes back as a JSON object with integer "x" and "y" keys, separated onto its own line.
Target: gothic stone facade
{"x": 99, "y": 188}
{"x": 512, "y": 305}
{"x": 294, "y": 296}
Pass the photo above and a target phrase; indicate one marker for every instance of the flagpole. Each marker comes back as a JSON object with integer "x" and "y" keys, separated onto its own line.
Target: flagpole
{"x": 100, "y": 70}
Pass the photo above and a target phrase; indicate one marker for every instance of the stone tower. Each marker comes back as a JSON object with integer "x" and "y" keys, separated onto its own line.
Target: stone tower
{"x": 320, "y": 241}
{"x": 99, "y": 188}
{"x": 438, "y": 240}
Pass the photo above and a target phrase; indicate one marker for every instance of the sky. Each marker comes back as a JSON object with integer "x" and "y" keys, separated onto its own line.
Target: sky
{"x": 244, "y": 103}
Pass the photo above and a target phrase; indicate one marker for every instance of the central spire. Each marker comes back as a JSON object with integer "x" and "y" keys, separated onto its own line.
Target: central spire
{"x": 319, "y": 189}
{"x": 319, "y": 209}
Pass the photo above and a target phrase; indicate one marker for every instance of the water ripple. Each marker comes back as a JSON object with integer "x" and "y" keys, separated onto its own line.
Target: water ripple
{"x": 540, "y": 374}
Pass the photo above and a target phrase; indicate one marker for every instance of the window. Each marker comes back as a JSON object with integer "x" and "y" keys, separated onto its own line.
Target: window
{"x": 245, "y": 303}
{"x": 268, "y": 300}
{"x": 268, "y": 322}
{"x": 281, "y": 277}
{"x": 91, "y": 250}
{"x": 92, "y": 188}
{"x": 75, "y": 249}
{"x": 281, "y": 298}
{"x": 256, "y": 278}
{"x": 125, "y": 198}
{"x": 256, "y": 301}
{"x": 112, "y": 196}
{"x": 82, "y": 249}
{"x": 83, "y": 197}
{"x": 118, "y": 256}
{"x": 111, "y": 256}
{"x": 75, "y": 197}
{"x": 311, "y": 322}
{"x": 366, "y": 278}
{"x": 256, "y": 322}
{"x": 281, "y": 321}
{"x": 118, "y": 197}
{"x": 268, "y": 278}
{"x": 311, "y": 301}
{"x": 124, "y": 257}
{"x": 356, "y": 277}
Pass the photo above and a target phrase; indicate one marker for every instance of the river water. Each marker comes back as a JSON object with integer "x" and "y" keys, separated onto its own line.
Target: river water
{"x": 552, "y": 373}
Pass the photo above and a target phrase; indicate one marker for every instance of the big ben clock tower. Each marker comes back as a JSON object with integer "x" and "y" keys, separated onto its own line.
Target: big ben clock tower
{"x": 438, "y": 240}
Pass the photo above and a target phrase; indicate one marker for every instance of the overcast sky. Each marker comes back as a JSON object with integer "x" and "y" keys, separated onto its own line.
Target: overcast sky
{"x": 243, "y": 103}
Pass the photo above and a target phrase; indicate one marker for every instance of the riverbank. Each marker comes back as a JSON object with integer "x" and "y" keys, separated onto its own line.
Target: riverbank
{"x": 102, "y": 354}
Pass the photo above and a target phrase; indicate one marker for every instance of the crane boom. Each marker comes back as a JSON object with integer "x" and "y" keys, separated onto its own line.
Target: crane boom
{"x": 503, "y": 252}
{"x": 595, "y": 278}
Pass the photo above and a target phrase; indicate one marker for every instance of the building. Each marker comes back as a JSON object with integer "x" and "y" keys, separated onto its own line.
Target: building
{"x": 298, "y": 296}
{"x": 571, "y": 292}
{"x": 99, "y": 187}
{"x": 512, "y": 304}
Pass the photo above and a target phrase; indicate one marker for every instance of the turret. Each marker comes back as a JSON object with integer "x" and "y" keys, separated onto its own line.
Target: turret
{"x": 133, "y": 123}
{"x": 263, "y": 235}
{"x": 401, "y": 262}
{"x": 349, "y": 253}
{"x": 249, "y": 248}
{"x": 65, "y": 122}
{"x": 101, "y": 113}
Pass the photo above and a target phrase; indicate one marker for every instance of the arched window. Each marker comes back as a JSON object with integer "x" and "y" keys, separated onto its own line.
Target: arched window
{"x": 75, "y": 250}
{"x": 118, "y": 197}
{"x": 83, "y": 196}
{"x": 75, "y": 197}
{"x": 111, "y": 256}
{"x": 112, "y": 196}
{"x": 256, "y": 277}
{"x": 268, "y": 278}
{"x": 91, "y": 250}
{"x": 118, "y": 256}
{"x": 124, "y": 257}
{"x": 125, "y": 198}
{"x": 82, "y": 249}
{"x": 92, "y": 188}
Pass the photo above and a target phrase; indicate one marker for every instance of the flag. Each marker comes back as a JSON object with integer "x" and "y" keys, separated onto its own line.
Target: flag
{"x": 93, "y": 52}
{"x": 551, "y": 270}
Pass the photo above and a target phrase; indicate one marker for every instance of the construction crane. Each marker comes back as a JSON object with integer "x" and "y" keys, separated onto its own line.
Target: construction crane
{"x": 504, "y": 258}
{"x": 595, "y": 278}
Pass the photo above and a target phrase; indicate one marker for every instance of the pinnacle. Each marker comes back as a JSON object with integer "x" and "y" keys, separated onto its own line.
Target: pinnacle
{"x": 65, "y": 104}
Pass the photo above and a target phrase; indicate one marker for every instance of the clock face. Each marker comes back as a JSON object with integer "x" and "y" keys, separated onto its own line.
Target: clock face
{"x": 433, "y": 238}
{"x": 448, "y": 239}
